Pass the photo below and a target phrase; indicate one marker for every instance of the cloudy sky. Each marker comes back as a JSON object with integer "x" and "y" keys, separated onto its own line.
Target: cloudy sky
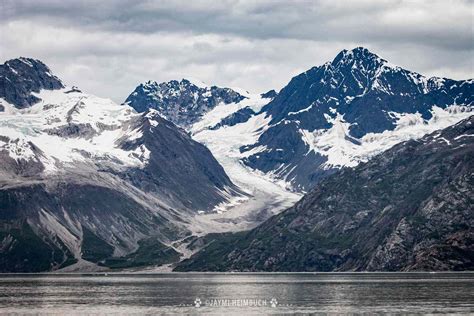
{"x": 108, "y": 47}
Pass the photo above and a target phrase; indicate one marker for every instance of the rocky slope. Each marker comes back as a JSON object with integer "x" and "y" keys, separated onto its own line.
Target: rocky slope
{"x": 83, "y": 179}
{"x": 407, "y": 209}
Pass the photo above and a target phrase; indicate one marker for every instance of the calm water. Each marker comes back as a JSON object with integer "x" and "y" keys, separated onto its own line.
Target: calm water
{"x": 292, "y": 293}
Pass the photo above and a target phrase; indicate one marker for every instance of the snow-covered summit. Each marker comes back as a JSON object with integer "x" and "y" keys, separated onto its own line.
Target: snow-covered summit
{"x": 348, "y": 109}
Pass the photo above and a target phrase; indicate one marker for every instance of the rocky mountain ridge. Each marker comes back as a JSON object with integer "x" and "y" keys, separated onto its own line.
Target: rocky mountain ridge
{"x": 182, "y": 102}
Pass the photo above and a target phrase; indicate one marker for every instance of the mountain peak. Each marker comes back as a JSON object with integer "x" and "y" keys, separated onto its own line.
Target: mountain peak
{"x": 182, "y": 102}
{"x": 198, "y": 83}
{"x": 359, "y": 56}
{"x": 150, "y": 83}
{"x": 31, "y": 62}
{"x": 183, "y": 84}
{"x": 362, "y": 51}
{"x": 25, "y": 65}
{"x": 22, "y": 76}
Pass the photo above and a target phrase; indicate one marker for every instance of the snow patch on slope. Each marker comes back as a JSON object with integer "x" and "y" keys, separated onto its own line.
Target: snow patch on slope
{"x": 221, "y": 111}
{"x": 18, "y": 149}
{"x": 343, "y": 150}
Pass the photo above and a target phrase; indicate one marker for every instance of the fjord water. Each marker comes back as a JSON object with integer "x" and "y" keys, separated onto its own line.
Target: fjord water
{"x": 221, "y": 293}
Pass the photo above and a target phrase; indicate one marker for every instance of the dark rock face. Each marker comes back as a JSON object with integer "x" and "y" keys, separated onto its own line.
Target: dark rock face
{"x": 269, "y": 94}
{"x": 178, "y": 167}
{"x": 408, "y": 209}
{"x": 357, "y": 84}
{"x": 22, "y": 76}
{"x": 241, "y": 116}
{"x": 181, "y": 102}
{"x": 288, "y": 150}
{"x": 73, "y": 130}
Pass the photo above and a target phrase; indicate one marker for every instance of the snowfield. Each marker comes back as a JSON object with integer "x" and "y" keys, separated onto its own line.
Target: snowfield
{"x": 100, "y": 123}
{"x": 342, "y": 150}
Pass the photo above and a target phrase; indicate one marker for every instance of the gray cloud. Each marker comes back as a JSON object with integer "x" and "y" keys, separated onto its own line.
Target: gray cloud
{"x": 108, "y": 47}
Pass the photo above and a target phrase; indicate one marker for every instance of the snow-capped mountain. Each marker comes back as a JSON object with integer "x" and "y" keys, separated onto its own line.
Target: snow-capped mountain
{"x": 182, "y": 102}
{"x": 83, "y": 178}
{"x": 331, "y": 116}
{"x": 347, "y": 110}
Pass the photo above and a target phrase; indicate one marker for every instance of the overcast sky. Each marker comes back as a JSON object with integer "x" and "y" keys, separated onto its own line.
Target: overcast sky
{"x": 109, "y": 47}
